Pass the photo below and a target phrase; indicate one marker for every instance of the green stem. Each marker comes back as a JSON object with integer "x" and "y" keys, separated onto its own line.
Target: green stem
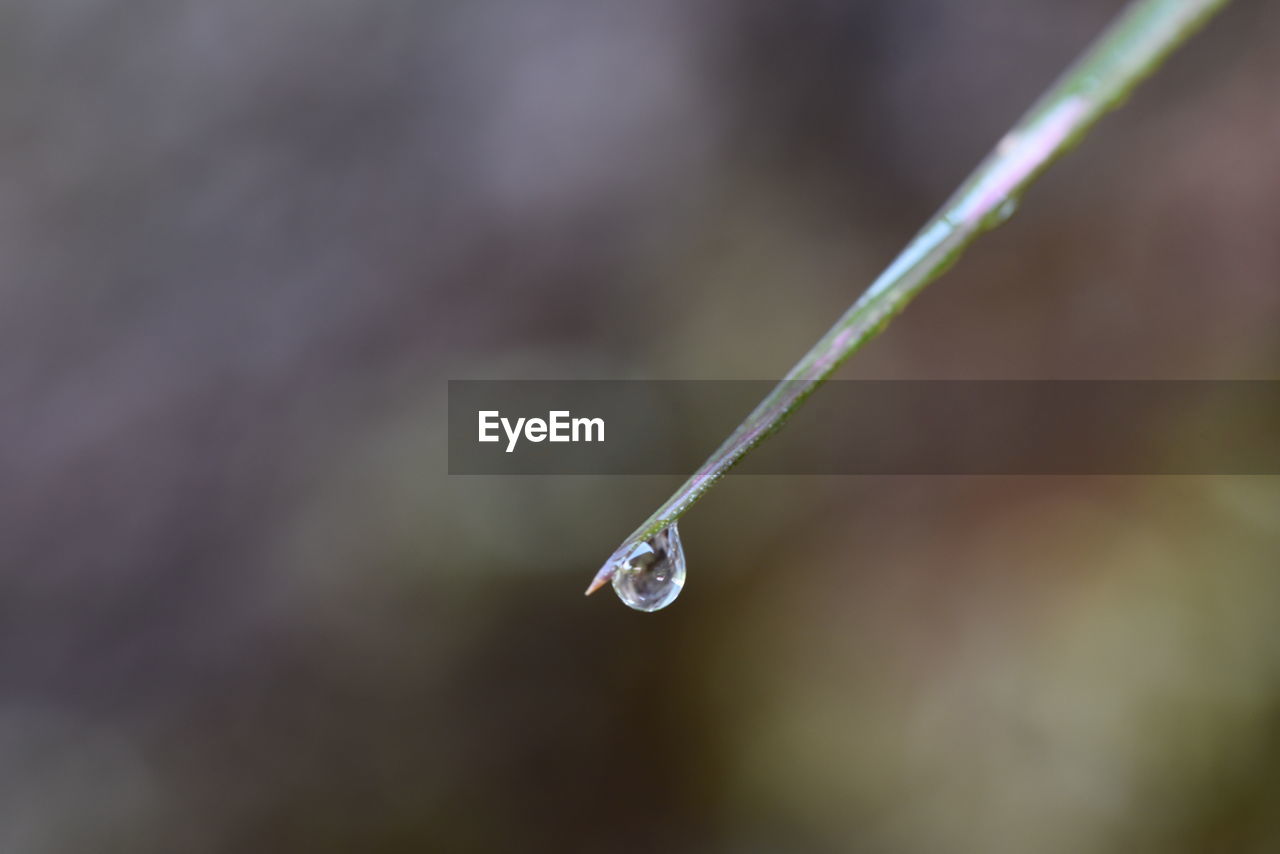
{"x": 1135, "y": 44}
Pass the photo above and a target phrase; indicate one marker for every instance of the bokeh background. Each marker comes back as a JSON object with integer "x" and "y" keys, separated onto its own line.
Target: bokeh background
{"x": 243, "y": 607}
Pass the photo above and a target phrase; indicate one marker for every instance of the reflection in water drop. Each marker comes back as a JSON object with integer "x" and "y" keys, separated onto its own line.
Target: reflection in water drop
{"x": 651, "y": 576}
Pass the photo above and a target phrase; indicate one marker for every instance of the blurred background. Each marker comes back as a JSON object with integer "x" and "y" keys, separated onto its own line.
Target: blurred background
{"x": 243, "y": 608}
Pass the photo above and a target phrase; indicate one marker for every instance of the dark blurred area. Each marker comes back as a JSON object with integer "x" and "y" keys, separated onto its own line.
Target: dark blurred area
{"x": 244, "y": 609}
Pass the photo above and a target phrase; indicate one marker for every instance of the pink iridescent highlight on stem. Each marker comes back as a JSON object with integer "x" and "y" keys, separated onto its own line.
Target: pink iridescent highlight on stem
{"x": 1021, "y": 153}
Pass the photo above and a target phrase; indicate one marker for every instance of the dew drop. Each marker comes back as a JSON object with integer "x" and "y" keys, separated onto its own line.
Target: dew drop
{"x": 651, "y": 576}
{"x": 1001, "y": 214}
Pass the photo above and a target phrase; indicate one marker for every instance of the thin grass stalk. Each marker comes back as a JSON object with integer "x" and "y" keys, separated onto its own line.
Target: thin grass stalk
{"x": 1131, "y": 48}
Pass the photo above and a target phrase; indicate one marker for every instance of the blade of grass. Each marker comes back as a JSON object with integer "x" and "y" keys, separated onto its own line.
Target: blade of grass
{"x": 1131, "y": 48}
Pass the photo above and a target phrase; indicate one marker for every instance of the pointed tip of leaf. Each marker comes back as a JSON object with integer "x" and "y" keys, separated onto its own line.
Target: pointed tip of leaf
{"x": 601, "y": 579}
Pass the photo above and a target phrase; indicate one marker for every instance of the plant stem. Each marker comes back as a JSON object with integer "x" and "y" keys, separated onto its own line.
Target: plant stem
{"x": 1131, "y": 48}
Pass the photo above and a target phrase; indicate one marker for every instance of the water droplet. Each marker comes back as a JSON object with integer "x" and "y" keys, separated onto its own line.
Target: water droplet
{"x": 651, "y": 576}
{"x": 1002, "y": 213}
